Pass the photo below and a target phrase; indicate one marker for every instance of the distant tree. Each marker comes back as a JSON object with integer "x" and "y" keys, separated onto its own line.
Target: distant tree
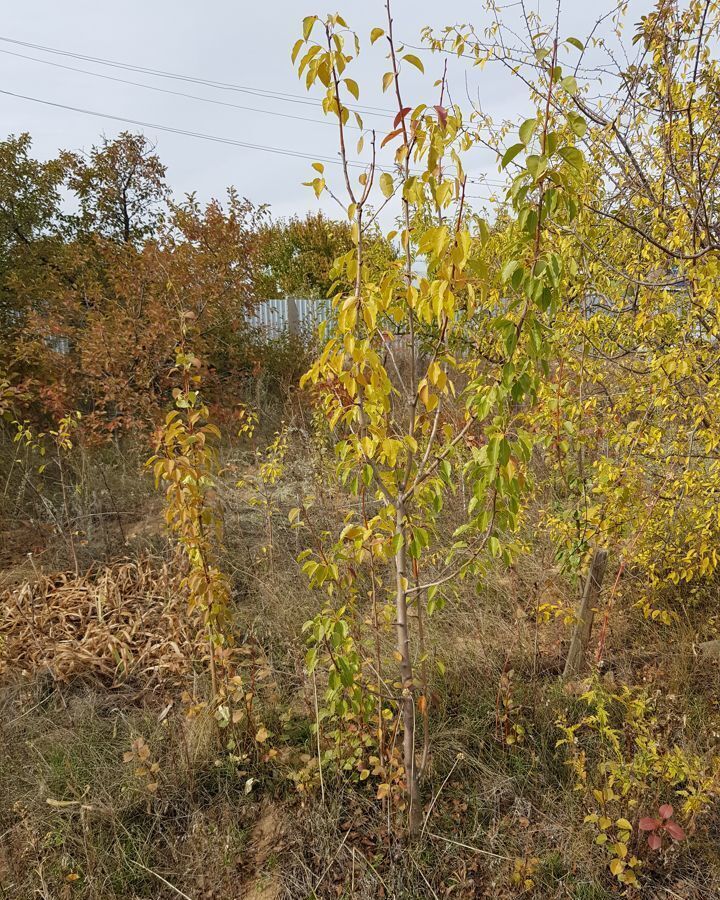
{"x": 201, "y": 260}
{"x": 90, "y": 294}
{"x": 297, "y": 255}
{"x": 120, "y": 186}
{"x": 29, "y": 194}
{"x": 30, "y": 222}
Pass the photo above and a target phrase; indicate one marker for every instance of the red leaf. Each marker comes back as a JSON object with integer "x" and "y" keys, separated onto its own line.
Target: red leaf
{"x": 442, "y": 115}
{"x": 654, "y": 841}
{"x": 401, "y": 115}
{"x": 389, "y": 137}
{"x": 666, "y": 811}
{"x": 648, "y": 824}
{"x": 675, "y": 831}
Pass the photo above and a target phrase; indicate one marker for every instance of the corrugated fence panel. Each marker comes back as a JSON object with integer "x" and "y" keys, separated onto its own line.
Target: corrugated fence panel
{"x": 290, "y": 314}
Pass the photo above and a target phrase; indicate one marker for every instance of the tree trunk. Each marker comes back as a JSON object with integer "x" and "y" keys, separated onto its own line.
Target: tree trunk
{"x": 575, "y": 661}
{"x": 406, "y": 676}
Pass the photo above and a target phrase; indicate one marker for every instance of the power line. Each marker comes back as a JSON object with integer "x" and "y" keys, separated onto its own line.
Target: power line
{"x": 152, "y": 87}
{"x": 171, "y": 130}
{"x": 201, "y": 135}
{"x": 223, "y": 103}
{"x": 219, "y": 85}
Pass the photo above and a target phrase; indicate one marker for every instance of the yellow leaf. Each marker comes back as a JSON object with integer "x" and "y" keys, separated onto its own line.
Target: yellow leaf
{"x": 296, "y": 48}
{"x": 386, "y": 184}
{"x": 376, "y": 34}
{"x": 308, "y": 23}
{"x": 414, "y": 61}
{"x": 262, "y": 735}
{"x": 423, "y": 392}
{"x": 617, "y": 866}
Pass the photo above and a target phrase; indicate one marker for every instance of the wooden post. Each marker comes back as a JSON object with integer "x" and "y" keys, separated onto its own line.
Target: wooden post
{"x": 293, "y": 316}
{"x": 575, "y": 661}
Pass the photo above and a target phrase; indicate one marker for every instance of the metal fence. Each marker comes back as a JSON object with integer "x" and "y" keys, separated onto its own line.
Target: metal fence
{"x": 293, "y": 314}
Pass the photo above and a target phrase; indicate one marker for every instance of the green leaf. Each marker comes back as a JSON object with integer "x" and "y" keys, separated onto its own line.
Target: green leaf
{"x": 526, "y": 130}
{"x": 536, "y": 165}
{"x": 572, "y": 156}
{"x": 570, "y": 84}
{"x": 414, "y": 61}
{"x": 576, "y": 43}
{"x": 519, "y": 273}
{"x": 508, "y": 270}
{"x": 510, "y": 154}
{"x": 386, "y": 184}
{"x": 577, "y": 123}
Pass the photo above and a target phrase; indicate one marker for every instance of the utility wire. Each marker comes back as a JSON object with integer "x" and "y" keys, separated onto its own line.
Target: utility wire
{"x": 198, "y": 134}
{"x": 209, "y": 137}
{"x": 161, "y": 90}
{"x": 152, "y": 87}
{"x": 215, "y": 84}
{"x": 220, "y": 85}
{"x": 171, "y": 130}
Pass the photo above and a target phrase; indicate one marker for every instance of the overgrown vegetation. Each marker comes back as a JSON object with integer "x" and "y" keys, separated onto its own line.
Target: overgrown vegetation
{"x": 425, "y": 604}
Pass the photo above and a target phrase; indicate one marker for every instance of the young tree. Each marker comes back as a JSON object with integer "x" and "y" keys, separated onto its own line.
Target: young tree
{"x": 387, "y": 377}
{"x": 631, "y": 405}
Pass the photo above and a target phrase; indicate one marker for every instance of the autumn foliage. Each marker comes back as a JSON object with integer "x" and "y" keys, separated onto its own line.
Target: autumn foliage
{"x": 98, "y": 263}
{"x": 454, "y": 585}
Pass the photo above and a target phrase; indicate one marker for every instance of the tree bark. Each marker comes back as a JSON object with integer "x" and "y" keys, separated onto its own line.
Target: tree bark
{"x": 575, "y": 662}
{"x": 406, "y": 676}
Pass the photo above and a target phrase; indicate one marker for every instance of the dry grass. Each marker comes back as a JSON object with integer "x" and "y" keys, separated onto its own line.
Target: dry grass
{"x": 126, "y": 622}
{"x": 89, "y": 664}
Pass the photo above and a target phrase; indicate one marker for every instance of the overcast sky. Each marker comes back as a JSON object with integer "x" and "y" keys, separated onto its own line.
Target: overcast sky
{"x": 240, "y": 43}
